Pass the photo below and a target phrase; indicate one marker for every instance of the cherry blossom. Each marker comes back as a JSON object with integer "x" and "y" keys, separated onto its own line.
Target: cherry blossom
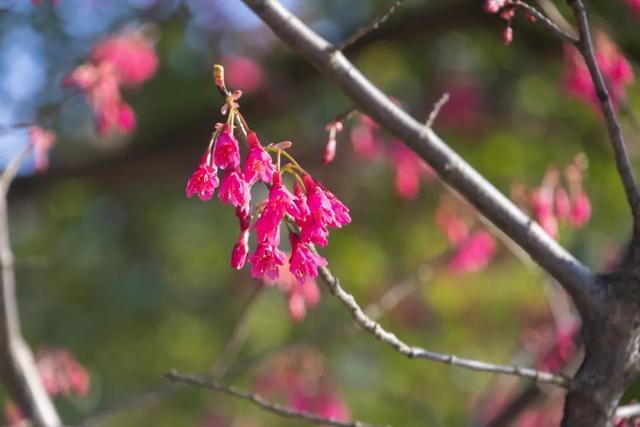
{"x": 41, "y": 142}
{"x": 125, "y": 60}
{"x": 615, "y": 68}
{"x": 204, "y": 180}
{"x": 474, "y": 253}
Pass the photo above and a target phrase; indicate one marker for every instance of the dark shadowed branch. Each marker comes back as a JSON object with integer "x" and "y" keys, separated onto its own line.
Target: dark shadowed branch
{"x": 18, "y": 370}
{"x": 260, "y": 401}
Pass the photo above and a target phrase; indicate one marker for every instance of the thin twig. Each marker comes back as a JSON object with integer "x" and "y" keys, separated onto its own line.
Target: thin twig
{"x": 546, "y": 22}
{"x": 18, "y": 370}
{"x": 157, "y": 395}
{"x": 371, "y": 26}
{"x": 374, "y": 328}
{"x": 148, "y": 398}
{"x": 239, "y": 335}
{"x": 260, "y": 401}
{"x": 433, "y": 115}
{"x": 623, "y": 164}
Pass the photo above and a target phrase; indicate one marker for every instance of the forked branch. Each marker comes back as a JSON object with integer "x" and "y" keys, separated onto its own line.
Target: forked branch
{"x": 573, "y": 275}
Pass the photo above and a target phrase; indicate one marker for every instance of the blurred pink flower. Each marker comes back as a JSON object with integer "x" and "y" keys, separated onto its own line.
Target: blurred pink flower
{"x": 494, "y": 6}
{"x": 243, "y": 73}
{"x": 635, "y": 6}
{"x": 615, "y": 68}
{"x": 410, "y": 170}
{"x": 474, "y": 253}
{"x": 464, "y": 112}
{"x": 300, "y": 296}
{"x": 580, "y": 209}
{"x": 542, "y": 203}
{"x": 300, "y": 378}
{"x": 454, "y": 228}
{"x": 365, "y": 138}
{"x": 61, "y": 373}
{"x": 124, "y": 60}
{"x": 329, "y": 154}
{"x": 41, "y": 141}
{"x": 131, "y": 54}
{"x": 563, "y": 348}
{"x": 324, "y": 404}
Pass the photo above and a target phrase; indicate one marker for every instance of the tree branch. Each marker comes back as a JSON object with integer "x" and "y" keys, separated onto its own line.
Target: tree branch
{"x": 18, "y": 370}
{"x": 239, "y": 335}
{"x": 372, "y": 26}
{"x": 374, "y": 328}
{"x": 547, "y": 23}
{"x": 573, "y": 275}
{"x": 433, "y": 115}
{"x": 623, "y": 164}
{"x": 260, "y": 401}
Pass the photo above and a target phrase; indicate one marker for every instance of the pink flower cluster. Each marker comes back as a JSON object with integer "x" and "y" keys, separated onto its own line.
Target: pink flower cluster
{"x": 472, "y": 249}
{"x": 555, "y": 202}
{"x": 310, "y": 207}
{"x": 300, "y": 379}
{"x": 615, "y": 68}
{"x": 41, "y": 141}
{"x": 60, "y": 373}
{"x": 126, "y": 60}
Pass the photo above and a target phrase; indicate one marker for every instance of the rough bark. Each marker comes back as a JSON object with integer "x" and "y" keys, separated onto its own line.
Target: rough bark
{"x": 612, "y": 353}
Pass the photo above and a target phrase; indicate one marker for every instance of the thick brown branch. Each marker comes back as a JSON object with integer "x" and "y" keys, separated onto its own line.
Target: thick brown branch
{"x": 260, "y": 401}
{"x": 573, "y": 275}
{"x": 17, "y": 368}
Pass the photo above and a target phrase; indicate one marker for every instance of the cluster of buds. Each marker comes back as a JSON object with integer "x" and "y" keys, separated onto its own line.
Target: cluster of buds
{"x": 310, "y": 209}
{"x": 615, "y": 68}
{"x": 126, "y": 60}
{"x": 61, "y": 375}
{"x": 507, "y": 11}
{"x": 559, "y": 200}
{"x": 472, "y": 249}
